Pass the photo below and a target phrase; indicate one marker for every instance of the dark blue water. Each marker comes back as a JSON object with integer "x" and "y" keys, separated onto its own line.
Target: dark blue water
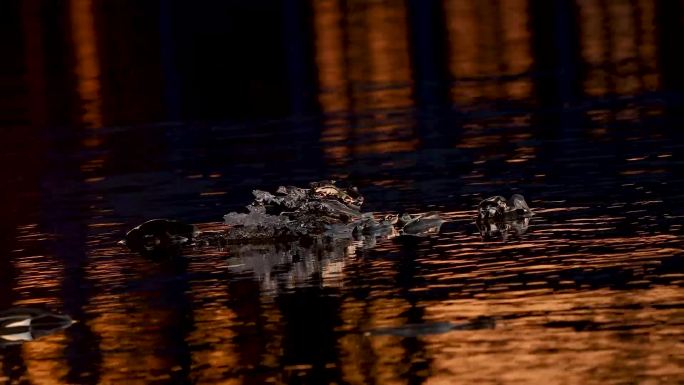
{"x": 116, "y": 114}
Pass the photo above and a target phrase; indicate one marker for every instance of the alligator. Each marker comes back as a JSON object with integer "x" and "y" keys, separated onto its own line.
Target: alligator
{"x": 497, "y": 218}
{"x": 323, "y": 211}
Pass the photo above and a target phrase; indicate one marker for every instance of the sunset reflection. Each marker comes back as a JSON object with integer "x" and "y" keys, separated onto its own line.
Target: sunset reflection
{"x": 465, "y": 355}
{"x": 115, "y": 113}
{"x": 362, "y": 56}
{"x": 129, "y": 335}
{"x": 45, "y": 361}
{"x": 87, "y": 64}
{"x": 488, "y": 39}
{"x": 387, "y": 352}
{"x": 213, "y": 322}
{"x": 619, "y": 46}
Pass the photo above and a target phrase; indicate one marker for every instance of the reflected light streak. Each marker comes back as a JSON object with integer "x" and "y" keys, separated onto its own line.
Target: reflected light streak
{"x": 593, "y": 37}
{"x": 517, "y": 51}
{"x": 87, "y": 66}
{"x": 618, "y": 44}
{"x": 40, "y": 281}
{"x": 461, "y": 27}
{"x": 214, "y": 353}
{"x": 570, "y": 356}
{"x": 488, "y": 39}
{"x": 45, "y": 361}
{"x": 364, "y": 67}
{"x": 648, "y": 44}
{"x": 624, "y": 53}
{"x": 387, "y": 353}
{"x": 129, "y": 336}
{"x": 330, "y": 56}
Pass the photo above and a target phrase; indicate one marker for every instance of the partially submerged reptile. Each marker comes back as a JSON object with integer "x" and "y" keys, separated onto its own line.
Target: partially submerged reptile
{"x": 499, "y": 218}
{"x": 321, "y": 211}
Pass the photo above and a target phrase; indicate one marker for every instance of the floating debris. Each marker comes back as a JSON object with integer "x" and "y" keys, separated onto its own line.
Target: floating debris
{"x": 18, "y": 325}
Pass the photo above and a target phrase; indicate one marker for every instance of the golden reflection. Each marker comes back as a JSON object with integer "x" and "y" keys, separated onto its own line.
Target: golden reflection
{"x": 535, "y": 338}
{"x": 593, "y": 38}
{"x": 387, "y": 54}
{"x": 624, "y": 50}
{"x": 517, "y": 54}
{"x": 87, "y": 66}
{"x": 130, "y": 325}
{"x": 648, "y": 44}
{"x": 215, "y": 354}
{"x": 330, "y": 56}
{"x": 618, "y": 44}
{"x": 41, "y": 272}
{"x": 45, "y": 360}
{"x": 387, "y": 353}
{"x": 569, "y": 356}
{"x": 488, "y": 39}
{"x": 129, "y": 335}
{"x": 364, "y": 68}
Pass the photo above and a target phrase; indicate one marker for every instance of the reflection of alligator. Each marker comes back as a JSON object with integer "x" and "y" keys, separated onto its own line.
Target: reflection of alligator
{"x": 278, "y": 265}
{"x": 323, "y": 210}
{"x": 492, "y": 230}
{"x": 498, "y": 218}
{"x": 18, "y": 325}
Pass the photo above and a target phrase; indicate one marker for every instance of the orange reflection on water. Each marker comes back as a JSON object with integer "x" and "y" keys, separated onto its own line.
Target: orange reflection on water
{"x": 378, "y": 55}
{"x": 528, "y": 352}
{"x": 131, "y": 324}
{"x": 330, "y": 55}
{"x": 362, "y": 55}
{"x": 38, "y": 272}
{"x": 211, "y": 340}
{"x": 45, "y": 360}
{"x": 87, "y": 65}
{"x": 516, "y": 45}
{"x": 215, "y": 353}
{"x": 129, "y": 338}
{"x": 386, "y": 368}
{"x": 647, "y": 45}
{"x": 488, "y": 39}
{"x": 39, "y": 283}
{"x": 618, "y": 43}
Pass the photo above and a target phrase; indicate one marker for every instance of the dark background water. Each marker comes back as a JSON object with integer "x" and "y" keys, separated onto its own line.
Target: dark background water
{"x": 112, "y": 113}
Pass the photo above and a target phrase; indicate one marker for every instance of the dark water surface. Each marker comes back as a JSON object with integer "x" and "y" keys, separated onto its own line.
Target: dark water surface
{"x": 112, "y": 115}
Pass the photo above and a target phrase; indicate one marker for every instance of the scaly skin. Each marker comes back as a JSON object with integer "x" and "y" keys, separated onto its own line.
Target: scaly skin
{"x": 322, "y": 211}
